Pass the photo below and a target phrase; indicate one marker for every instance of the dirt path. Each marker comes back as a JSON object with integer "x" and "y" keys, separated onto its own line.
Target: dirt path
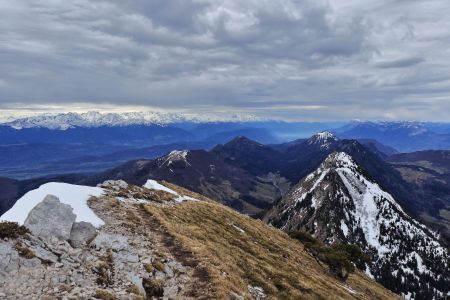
{"x": 175, "y": 267}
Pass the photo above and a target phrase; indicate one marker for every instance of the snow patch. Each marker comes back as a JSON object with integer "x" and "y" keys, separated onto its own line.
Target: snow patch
{"x": 154, "y": 185}
{"x": 349, "y": 289}
{"x": 238, "y": 228}
{"x": 74, "y": 195}
{"x": 344, "y": 228}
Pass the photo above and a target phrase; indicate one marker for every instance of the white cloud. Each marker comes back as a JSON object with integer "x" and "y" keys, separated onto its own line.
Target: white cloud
{"x": 347, "y": 58}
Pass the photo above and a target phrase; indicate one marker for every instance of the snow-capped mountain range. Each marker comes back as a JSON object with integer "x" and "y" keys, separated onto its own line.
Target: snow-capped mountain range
{"x": 64, "y": 121}
{"x": 339, "y": 202}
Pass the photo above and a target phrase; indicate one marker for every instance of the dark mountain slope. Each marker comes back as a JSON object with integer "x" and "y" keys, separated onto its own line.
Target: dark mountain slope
{"x": 340, "y": 203}
{"x": 203, "y": 172}
{"x": 378, "y": 148}
{"x": 428, "y": 174}
{"x": 9, "y": 193}
{"x": 437, "y": 160}
{"x": 249, "y": 155}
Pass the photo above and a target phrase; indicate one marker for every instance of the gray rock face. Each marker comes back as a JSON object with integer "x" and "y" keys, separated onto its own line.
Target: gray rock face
{"x": 43, "y": 254}
{"x": 114, "y": 242}
{"x": 9, "y": 259}
{"x": 81, "y": 233}
{"x": 51, "y": 219}
{"x": 114, "y": 184}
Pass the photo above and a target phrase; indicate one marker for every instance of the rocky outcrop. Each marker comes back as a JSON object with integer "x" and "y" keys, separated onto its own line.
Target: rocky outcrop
{"x": 64, "y": 259}
{"x": 115, "y": 185}
{"x": 81, "y": 234}
{"x": 9, "y": 259}
{"x": 114, "y": 242}
{"x": 51, "y": 219}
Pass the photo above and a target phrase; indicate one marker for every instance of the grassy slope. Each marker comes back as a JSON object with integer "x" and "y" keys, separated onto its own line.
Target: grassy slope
{"x": 260, "y": 256}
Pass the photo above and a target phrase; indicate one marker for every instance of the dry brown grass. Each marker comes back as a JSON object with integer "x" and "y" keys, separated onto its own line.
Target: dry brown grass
{"x": 185, "y": 192}
{"x": 133, "y": 289}
{"x": 149, "y": 268}
{"x": 12, "y": 230}
{"x": 65, "y": 287}
{"x": 159, "y": 196}
{"x": 104, "y": 295}
{"x": 137, "y": 192}
{"x": 158, "y": 265}
{"x": 24, "y": 251}
{"x": 153, "y": 287}
{"x": 104, "y": 270}
{"x": 260, "y": 256}
{"x": 114, "y": 203}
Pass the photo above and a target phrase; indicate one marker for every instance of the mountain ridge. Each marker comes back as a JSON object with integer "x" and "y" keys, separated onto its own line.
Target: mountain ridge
{"x": 64, "y": 121}
{"x": 151, "y": 244}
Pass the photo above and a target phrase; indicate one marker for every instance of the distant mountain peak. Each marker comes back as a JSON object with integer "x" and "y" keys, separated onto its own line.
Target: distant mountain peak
{"x": 242, "y": 140}
{"x": 175, "y": 156}
{"x": 324, "y": 139}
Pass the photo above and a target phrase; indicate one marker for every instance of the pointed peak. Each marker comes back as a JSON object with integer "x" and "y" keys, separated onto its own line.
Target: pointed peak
{"x": 324, "y": 139}
{"x": 242, "y": 140}
{"x": 178, "y": 154}
{"x": 324, "y": 135}
{"x": 173, "y": 156}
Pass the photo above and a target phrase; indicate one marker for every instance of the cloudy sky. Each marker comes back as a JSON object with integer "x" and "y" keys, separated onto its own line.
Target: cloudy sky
{"x": 289, "y": 59}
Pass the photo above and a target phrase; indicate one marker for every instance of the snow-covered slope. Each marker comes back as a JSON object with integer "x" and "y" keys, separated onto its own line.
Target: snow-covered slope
{"x": 74, "y": 195}
{"x": 340, "y": 203}
{"x": 96, "y": 119}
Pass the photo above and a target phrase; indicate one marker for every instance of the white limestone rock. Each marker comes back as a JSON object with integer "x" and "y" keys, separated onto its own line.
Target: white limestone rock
{"x": 51, "y": 219}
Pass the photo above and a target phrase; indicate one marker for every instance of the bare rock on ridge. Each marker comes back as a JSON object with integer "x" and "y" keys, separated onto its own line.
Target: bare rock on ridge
{"x": 81, "y": 234}
{"x": 51, "y": 219}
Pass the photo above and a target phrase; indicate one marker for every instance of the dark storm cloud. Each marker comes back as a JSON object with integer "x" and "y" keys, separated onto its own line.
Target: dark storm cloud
{"x": 285, "y": 58}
